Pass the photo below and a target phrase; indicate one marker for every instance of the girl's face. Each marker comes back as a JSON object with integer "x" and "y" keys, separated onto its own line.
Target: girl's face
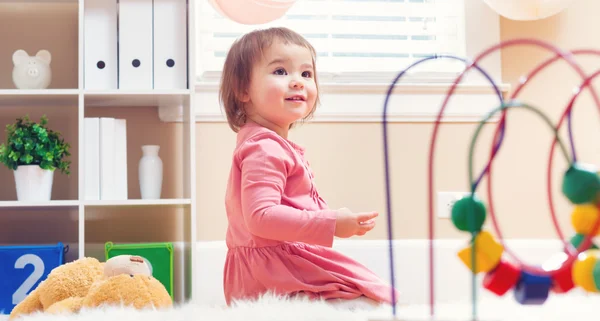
{"x": 282, "y": 88}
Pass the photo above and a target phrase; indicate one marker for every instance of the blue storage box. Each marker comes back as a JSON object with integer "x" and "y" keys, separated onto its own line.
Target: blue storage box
{"x": 23, "y": 267}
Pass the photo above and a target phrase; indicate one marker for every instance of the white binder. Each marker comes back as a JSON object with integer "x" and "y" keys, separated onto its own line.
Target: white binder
{"x": 107, "y": 159}
{"x": 120, "y": 159}
{"x": 170, "y": 44}
{"x": 112, "y": 159}
{"x": 135, "y": 44}
{"x": 100, "y": 44}
{"x": 92, "y": 158}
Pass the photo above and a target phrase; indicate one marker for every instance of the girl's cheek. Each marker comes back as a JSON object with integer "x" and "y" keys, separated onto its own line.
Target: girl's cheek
{"x": 275, "y": 89}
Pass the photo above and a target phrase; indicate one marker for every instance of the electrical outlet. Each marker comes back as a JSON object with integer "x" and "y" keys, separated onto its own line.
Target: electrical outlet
{"x": 445, "y": 201}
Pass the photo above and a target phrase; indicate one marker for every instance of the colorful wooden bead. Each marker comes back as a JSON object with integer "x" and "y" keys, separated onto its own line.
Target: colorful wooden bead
{"x": 596, "y": 275}
{"x": 583, "y": 268}
{"x": 532, "y": 289}
{"x": 584, "y": 217}
{"x": 562, "y": 280}
{"x": 502, "y": 278}
{"x": 468, "y": 214}
{"x": 488, "y": 253}
{"x": 577, "y": 239}
{"x": 581, "y": 184}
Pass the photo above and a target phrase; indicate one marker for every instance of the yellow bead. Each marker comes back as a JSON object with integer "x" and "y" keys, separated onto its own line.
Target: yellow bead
{"x": 583, "y": 268}
{"x": 583, "y": 218}
{"x": 487, "y": 253}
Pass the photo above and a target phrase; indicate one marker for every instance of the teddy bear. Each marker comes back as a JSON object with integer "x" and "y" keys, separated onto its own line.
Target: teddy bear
{"x": 88, "y": 283}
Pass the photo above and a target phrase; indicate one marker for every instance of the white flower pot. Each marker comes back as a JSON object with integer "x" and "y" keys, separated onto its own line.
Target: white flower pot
{"x": 33, "y": 183}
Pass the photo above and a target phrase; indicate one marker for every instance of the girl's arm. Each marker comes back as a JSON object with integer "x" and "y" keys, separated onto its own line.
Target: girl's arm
{"x": 264, "y": 164}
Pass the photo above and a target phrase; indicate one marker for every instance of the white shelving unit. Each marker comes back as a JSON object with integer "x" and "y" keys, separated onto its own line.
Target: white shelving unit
{"x": 81, "y": 224}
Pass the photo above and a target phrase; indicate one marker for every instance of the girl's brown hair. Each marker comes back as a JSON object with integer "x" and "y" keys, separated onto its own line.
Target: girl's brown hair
{"x": 242, "y": 55}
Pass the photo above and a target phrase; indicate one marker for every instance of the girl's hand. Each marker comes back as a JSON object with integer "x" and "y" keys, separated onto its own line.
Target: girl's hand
{"x": 349, "y": 224}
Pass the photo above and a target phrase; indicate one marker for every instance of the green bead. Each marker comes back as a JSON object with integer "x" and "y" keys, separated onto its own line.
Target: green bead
{"x": 581, "y": 184}
{"x": 577, "y": 239}
{"x": 596, "y": 274}
{"x": 468, "y": 214}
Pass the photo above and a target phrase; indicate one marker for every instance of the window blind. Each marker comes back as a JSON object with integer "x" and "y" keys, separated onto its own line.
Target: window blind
{"x": 353, "y": 38}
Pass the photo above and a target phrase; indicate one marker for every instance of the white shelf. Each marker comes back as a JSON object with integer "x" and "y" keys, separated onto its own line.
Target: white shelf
{"x": 139, "y": 202}
{"x": 42, "y": 97}
{"x": 36, "y": 1}
{"x": 124, "y": 98}
{"x": 38, "y": 205}
{"x": 68, "y": 70}
{"x": 100, "y": 203}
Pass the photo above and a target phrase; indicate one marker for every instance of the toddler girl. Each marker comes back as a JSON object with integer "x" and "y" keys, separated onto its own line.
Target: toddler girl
{"x": 280, "y": 230}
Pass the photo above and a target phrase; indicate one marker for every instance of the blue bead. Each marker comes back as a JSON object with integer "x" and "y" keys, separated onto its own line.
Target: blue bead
{"x": 532, "y": 289}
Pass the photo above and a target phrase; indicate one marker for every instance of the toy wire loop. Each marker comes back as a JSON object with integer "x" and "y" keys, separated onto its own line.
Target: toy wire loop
{"x": 387, "y": 170}
{"x": 498, "y": 138}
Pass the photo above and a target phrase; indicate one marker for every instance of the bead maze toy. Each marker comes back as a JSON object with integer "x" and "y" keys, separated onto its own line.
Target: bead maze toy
{"x": 579, "y": 264}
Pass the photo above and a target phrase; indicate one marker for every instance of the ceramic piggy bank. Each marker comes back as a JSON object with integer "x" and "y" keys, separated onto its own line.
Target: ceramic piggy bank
{"x": 31, "y": 72}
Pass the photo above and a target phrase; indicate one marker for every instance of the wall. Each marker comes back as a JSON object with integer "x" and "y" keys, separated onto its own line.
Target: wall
{"x": 347, "y": 157}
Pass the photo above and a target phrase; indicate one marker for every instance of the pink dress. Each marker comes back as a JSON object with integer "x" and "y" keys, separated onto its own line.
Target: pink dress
{"x": 280, "y": 230}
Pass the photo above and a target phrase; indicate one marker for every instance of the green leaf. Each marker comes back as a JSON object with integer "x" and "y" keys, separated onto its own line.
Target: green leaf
{"x": 26, "y": 158}
{"x": 18, "y": 143}
{"x": 29, "y": 145}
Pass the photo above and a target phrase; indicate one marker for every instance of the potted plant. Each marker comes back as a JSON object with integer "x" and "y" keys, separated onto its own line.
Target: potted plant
{"x": 33, "y": 152}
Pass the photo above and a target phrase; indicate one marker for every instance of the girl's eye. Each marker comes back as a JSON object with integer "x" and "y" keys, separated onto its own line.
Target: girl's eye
{"x": 279, "y": 72}
{"x": 307, "y": 74}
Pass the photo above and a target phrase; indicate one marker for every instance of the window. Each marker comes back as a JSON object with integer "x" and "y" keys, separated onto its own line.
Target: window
{"x": 362, "y": 45}
{"x": 370, "y": 40}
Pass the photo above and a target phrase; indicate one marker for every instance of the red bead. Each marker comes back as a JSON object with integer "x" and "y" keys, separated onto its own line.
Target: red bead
{"x": 562, "y": 281}
{"x": 502, "y": 278}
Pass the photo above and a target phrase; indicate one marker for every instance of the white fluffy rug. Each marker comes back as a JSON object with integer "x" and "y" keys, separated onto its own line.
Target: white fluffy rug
{"x": 269, "y": 308}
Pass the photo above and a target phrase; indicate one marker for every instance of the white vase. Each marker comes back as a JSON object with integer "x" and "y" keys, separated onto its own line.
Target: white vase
{"x": 33, "y": 183}
{"x": 150, "y": 171}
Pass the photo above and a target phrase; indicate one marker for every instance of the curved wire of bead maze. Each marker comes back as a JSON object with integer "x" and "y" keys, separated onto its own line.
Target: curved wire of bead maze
{"x": 580, "y": 185}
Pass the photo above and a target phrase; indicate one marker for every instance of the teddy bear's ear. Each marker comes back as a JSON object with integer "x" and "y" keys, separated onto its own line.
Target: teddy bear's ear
{"x": 44, "y": 55}
{"x": 19, "y": 56}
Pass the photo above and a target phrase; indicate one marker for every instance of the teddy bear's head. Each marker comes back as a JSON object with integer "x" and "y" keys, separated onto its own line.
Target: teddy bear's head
{"x": 137, "y": 290}
{"x": 127, "y": 281}
{"x": 126, "y": 264}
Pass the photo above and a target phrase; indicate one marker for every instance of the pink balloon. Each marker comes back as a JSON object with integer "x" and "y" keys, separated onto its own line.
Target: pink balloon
{"x": 276, "y": 3}
{"x": 251, "y": 12}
